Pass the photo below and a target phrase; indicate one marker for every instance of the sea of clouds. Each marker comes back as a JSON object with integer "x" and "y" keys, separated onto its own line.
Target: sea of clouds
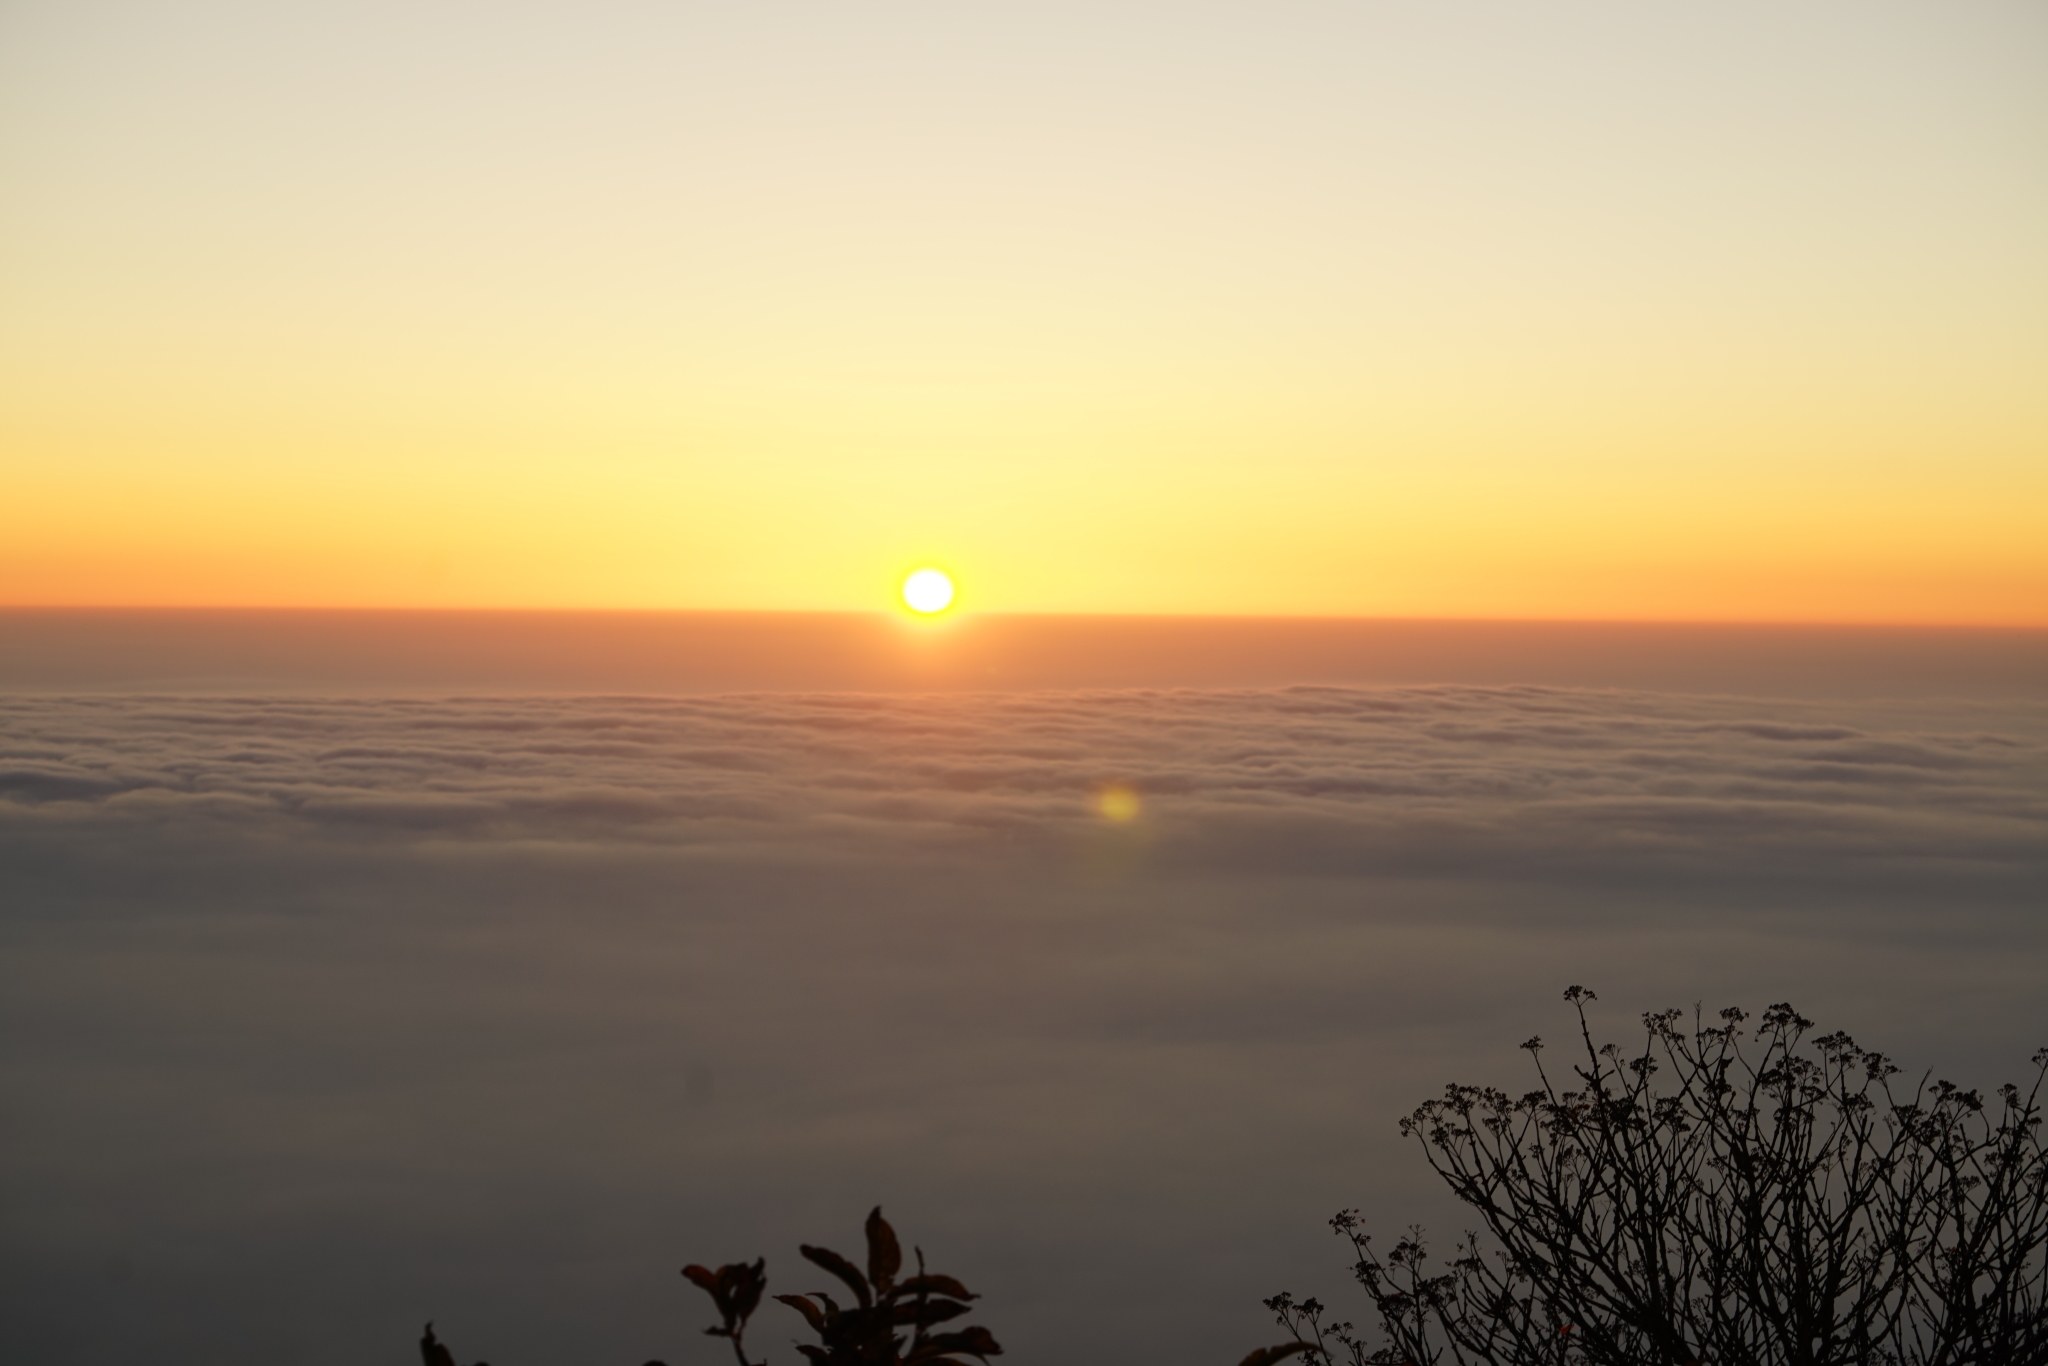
{"x": 325, "y": 1016}
{"x": 1294, "y": 780}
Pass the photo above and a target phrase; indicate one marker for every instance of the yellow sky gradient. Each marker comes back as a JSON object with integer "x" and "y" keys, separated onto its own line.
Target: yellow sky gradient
{"x": 1321, "y": 310}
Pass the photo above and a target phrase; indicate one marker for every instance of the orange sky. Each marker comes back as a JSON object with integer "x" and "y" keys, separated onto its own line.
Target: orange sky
{"x": 1348, "y": 310}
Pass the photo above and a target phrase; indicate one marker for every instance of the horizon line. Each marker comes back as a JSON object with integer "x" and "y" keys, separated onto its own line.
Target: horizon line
{"x": 888, "y": 614}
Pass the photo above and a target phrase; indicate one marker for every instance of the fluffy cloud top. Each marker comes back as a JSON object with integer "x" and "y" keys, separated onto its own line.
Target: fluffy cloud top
{"x": 1312, "y": 778}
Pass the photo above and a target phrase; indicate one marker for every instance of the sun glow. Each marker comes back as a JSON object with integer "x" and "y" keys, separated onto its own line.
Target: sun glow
{"x": 1506, "y": 367}
{"x": 928, "y": 591}
{"x": 1118, "y": 803}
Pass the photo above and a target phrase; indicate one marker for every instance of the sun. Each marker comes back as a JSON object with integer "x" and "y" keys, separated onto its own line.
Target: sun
{"x": 928, "y": 591}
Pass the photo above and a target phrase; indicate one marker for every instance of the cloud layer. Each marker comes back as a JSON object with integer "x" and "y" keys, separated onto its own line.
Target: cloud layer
{"x": 319, "y": 1017}
{"x": 1305, "y": 778}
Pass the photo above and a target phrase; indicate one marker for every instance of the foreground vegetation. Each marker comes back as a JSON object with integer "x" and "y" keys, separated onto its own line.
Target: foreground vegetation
{"x": 1720, "y": 1194}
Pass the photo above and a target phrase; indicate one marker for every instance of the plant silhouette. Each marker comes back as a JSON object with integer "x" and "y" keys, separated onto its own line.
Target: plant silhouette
{"x": 1723, "y": 1195}
{"x": 1772, "y": 1200}
{"x": 866, "y": 1332}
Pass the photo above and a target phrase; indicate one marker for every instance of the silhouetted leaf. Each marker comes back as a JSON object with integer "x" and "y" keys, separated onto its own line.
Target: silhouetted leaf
{"x": 885, "y": 1255}
{"x": 976, "y": 1342}
{"x": 813, "y": 1315}
{"x": 927, "y": 1312}
{"x": 1266, "y": 1356}
{"x": 432, "y": 1351}
{"x": 840, "y": 1267}
{"x": 748, "y": 1283}
{"x": 735, "y": 1288}
{"x": 931, "y": 1283}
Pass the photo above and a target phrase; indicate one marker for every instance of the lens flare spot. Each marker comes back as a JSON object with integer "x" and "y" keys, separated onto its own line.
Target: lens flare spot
{"x": 1118, "y": 803}
{"x": 928, "y": 591}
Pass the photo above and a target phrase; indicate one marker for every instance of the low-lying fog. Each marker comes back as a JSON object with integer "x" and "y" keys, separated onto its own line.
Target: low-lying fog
{"x": 325, "y": 1017}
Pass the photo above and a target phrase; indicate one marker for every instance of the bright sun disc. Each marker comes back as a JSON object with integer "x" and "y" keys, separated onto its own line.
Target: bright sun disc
{"x": 928, "y": 591}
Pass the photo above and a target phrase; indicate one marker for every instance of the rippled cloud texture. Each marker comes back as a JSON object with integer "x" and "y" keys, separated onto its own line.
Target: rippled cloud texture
{"x": 325, "y": 1016}
{"x": 1304, "y": 779}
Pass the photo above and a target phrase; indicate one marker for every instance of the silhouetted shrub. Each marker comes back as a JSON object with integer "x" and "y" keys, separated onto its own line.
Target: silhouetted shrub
{"x": 865, "y": 1332}
{"x": 1721, "y": 1196}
